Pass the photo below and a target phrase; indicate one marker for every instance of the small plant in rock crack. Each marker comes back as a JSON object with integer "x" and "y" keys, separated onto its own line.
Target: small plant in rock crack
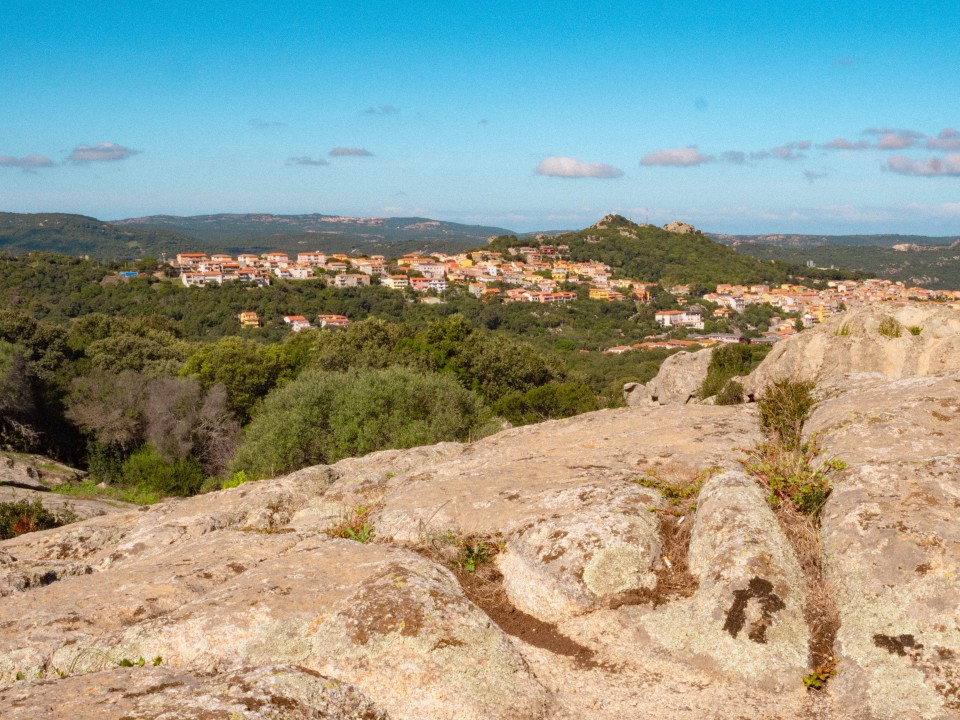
{"x": 475, "y": 550}
{"x": 356, "y": 526}
{"x": 127, "y": 662}
{"x": 818, "y": 679}
{"x": 793, "y": 478}
{"x": 677, "y": 491}
{"x": 889, "y": 327}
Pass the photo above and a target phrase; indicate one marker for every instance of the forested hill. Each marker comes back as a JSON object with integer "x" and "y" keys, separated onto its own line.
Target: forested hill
{"x": 652, "y": 254}
{"x": 330, "y": 233}
{"x": 152, "y": 236}
{"x": 79, "y": 235}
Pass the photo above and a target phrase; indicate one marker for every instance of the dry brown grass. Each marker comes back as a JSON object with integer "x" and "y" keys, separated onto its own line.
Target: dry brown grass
{"x": 820, "y": 610}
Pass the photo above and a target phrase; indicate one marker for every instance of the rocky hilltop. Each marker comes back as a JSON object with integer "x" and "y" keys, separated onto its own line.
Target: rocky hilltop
{"x": 543, "y": 572}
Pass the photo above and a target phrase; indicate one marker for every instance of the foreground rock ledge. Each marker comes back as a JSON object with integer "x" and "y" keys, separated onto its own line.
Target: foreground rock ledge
{"x": 254, "y": 611}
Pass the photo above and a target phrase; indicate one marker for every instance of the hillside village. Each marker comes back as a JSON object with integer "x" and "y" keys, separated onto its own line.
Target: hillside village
{"x": 543, "y": 274}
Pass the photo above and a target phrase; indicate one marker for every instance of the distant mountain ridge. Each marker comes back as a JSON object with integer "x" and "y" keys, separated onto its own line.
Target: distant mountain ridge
{"x": 386, "y": 230}
{"x": 794, "y": 240}
{"x": 133, "y": 238}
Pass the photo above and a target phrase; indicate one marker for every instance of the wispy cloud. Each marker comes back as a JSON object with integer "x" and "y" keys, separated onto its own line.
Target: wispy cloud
{"x": 787, "y": 151}
{"x": 844, "y": 144}
{"x": 894, "y": 138}
{"x": 382, "y": 110}
{"x": 946, "y": 139}
{"x": 737, "y": 157}
{"x": 101, "y": 152}
{"x": 309, "y": 161}
{"x": 949, "y": 165}
{"x": 556, "y": 166}
{"x": 30, "y": 162}
{"x": 350, "y": 152}
{"x": 844, "y": 62}
{"x": 260, "y": 123}
{"x": 678, "y": 157}
{"x": 812, "y": 176}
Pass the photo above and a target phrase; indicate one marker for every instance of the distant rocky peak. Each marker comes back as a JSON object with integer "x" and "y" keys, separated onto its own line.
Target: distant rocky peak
{"x": 680, "y": 227}
{"x": 612, "y": 220}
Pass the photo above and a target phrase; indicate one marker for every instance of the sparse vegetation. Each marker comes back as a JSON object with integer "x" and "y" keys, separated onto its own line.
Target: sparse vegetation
{"x": 726, "y": 362}
{"x": 889, "y": 327}
{"x": 798, "y": 484}
{"x": 841, "y": 330}
{"x": 817, "y": 679}
{"x": 356, "y": 525}
{"x": 784, "y": 407}
{"x": 915, "y": 329}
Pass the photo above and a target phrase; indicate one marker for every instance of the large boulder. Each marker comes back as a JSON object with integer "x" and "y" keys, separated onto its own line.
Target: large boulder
{"x": 747, "y": 614}
{"x": 677, "y": 382}
{"x": 876, "y": 339}
{"x": 892, "y": 544}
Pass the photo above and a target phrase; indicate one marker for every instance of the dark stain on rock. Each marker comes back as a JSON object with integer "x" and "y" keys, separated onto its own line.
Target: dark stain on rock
{"x": 236, "y": 567}
{"x": 386, "y": 604}
{"x": 770, "y": 603}
{"x": 901, "y": 645}
{"x": 559, "y": 552}
{"x": 922, "y": 569}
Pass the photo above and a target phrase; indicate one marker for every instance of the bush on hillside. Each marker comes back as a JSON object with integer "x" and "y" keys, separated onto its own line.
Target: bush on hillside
{"x": 324, "y": 416}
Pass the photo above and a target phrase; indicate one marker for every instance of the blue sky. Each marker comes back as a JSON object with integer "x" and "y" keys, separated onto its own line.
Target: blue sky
{"x": 741, "y": 117}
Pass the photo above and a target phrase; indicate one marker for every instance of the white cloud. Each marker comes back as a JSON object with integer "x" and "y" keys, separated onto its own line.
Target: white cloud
{"x": 949, "y": 165}
{"x": 893, "y": 141}
{"x": 946, "y": 139}
{"x": 307, "y": 161}
{"x": 556, "y": 166}
{"x": 101, "y": 152}
{"x": 680, "y": 157}
{"x": 30, "y": 162}
{"x": 350, "y": 152}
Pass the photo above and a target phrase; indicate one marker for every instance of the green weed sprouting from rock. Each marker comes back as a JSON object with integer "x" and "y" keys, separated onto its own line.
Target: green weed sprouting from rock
{"x": 915, "y": 329}
{"x": 817, "y": 679}
{"x": 356, "y": 526}
{"x": 889, "y": 327}
{"x": 842, "y": 330}
{"x": 475, "y": 550}
{"x": 677, "y": 491}
{"x": 793, "y": 478}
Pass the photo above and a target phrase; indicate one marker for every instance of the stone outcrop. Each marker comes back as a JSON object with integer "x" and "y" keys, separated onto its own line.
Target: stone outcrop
{"x": 876, "y": 339}
{"x": 892, "y": 543}
{"x": 680, "y": 227}
{"x": 678, "y": 380}
{"x": 159, "y": 693}
{"x": 747, "y": 613}
{"x": 252, "y": 610}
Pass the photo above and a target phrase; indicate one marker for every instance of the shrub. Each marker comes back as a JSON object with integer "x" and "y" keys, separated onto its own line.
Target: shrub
{"x": 553, "y": 400}
{"x": 728, "y": 361}
{"x": 915, "y": 329}
{"x": 889, "y": 327}
{"x": 323, "y": 416}
{"x": 731, "y": 394}
{"x": 147, "y": 470}
{"x": 784, "y": 407}
{"x": 792, "y": 477}
{"x": 23, "y": 516}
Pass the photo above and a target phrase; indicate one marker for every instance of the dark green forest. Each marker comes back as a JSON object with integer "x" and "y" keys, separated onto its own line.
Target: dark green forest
{"x": 156, "y": 390}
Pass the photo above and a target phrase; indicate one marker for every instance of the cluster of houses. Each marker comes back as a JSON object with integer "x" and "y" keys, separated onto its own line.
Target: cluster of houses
{"x": 537, "y": 275}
